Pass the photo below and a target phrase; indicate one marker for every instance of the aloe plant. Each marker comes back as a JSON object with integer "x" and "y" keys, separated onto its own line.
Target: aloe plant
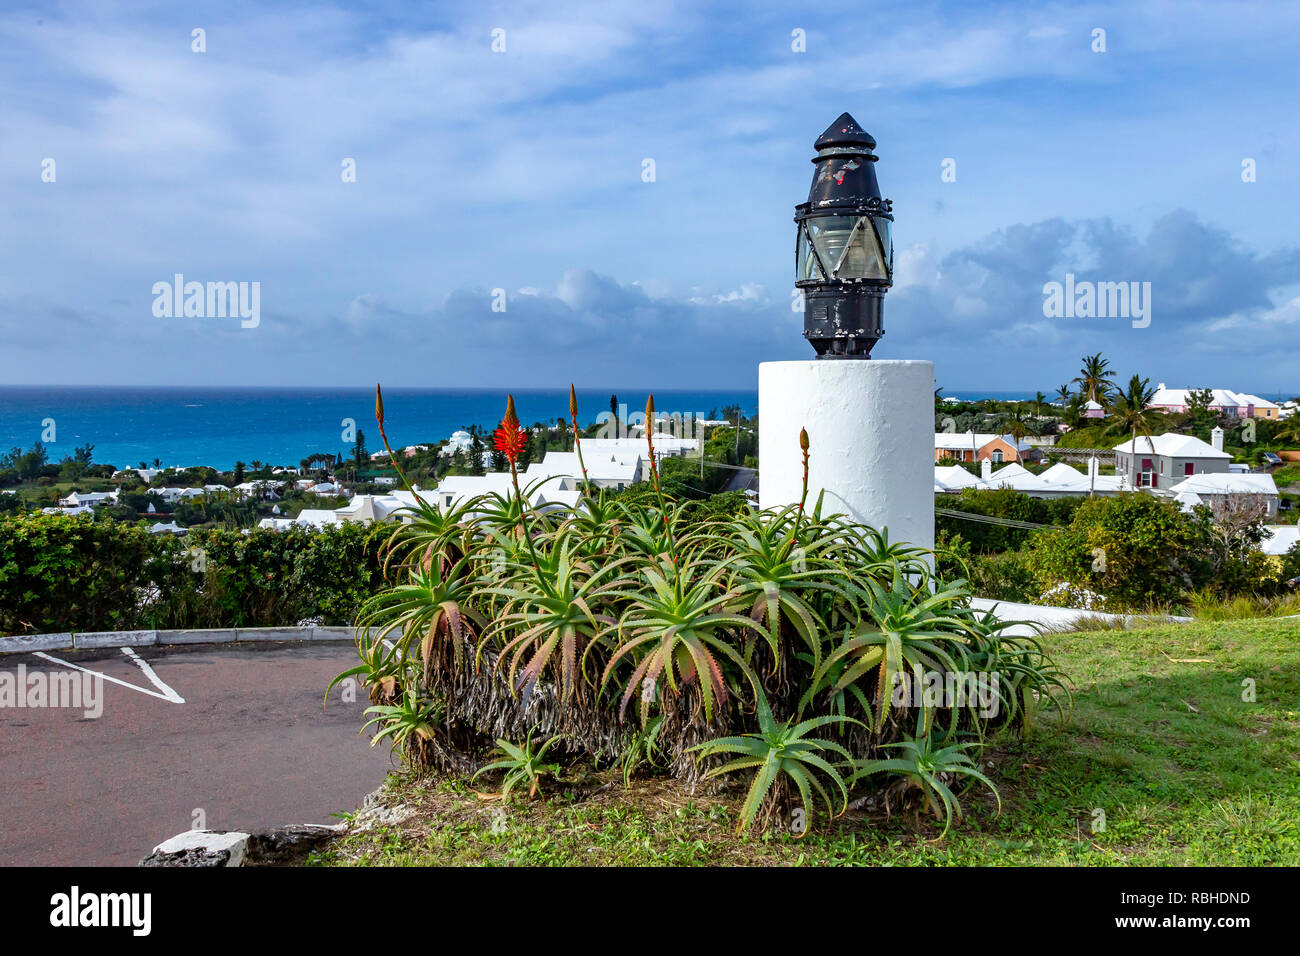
{"x": 907, "y": 631}
{"x": 675, "y": 629}
{"x": 550, "y": 613}
{"x": 777, "y": 750}
{"x": 521, "y": 765}
{"x": 922, "y": 767}
{"x": 407, "y": 724}
{"x": 811, "y": 615}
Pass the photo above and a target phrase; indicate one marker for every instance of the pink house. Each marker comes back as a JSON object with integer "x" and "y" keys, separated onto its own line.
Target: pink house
{"x": 1224, "y": 401}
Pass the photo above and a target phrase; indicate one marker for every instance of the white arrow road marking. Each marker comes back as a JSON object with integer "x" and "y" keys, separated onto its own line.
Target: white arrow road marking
{"x": 167, "y": 694}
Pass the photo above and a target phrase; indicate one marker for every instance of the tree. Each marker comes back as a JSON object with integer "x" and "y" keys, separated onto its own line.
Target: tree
{"x": 476, "y": 450}
{"x": 359, "y": 454}
{"x": 1130, "y": 412}
{"x": 239, "y": 473}
{"x": 613, "y": 410}
{"x": 1200, "y": 417}
{"x": 1039, "y": 400}
{"x": 1092, "y": 378}
{"x": 1014, "y": 422}
{"x": 83, "y": 453}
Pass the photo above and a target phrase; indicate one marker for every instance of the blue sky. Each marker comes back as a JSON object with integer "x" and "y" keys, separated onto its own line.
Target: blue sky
{"x": 522, "y": 171}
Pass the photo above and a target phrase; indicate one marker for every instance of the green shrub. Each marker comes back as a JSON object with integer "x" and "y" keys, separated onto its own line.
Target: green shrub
{"x": 62, "y": 573}
{"x": 1134, "y": 548}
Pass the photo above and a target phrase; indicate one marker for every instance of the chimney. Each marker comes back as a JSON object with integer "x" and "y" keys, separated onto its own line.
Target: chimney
{"x": 1160, "y": 387}
{"x": 986, "y": 468}
{"x": 1216, "y": 438}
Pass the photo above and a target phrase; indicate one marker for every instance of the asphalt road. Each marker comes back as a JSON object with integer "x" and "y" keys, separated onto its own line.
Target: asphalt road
{"x": 250, "y": 746}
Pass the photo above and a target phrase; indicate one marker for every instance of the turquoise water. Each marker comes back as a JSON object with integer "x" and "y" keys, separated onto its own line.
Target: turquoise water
{"x": 219, "y": 426}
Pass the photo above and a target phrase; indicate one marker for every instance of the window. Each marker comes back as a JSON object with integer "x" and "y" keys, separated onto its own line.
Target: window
{"x": 1189, "y": 469}
{"x": 997, "y": 456}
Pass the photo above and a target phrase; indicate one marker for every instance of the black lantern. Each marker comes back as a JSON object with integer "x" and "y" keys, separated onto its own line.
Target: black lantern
{"x": 844, "y": 256}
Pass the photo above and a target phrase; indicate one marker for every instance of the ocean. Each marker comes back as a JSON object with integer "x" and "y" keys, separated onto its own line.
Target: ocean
{"x": 220, "y": 426}
{"x": 281, "y": 426}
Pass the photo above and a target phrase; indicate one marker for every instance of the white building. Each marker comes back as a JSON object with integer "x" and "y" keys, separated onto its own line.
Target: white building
{"x": 89, "y": 500}
{"x": 1215, "y": 490}
{"x": 1223, "y": 401}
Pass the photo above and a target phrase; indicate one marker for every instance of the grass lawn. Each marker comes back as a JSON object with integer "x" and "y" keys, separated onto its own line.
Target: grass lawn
{"x": 1160, "y": 741}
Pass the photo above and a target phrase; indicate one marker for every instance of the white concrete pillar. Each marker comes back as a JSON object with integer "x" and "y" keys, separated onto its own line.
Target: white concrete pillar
{"x": 871, "y": 433}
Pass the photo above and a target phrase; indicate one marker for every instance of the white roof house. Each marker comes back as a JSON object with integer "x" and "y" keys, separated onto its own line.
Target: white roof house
{"x": 1216, "y": 488}
{"x": 367, "y": 509}
{"x": 313, "y": 518}
{"x": 171, "y": 528}
{"x": 1223, "y": 400}
{"x": 1172, "y": 445}
{"x": 1281, "y": 538}
{"x": 962, "y": 441}
{"x": 954, "y": 477}
{"x": 90, "y": 499}
{"x": 1227, "y": 483}
{"x": 1058, "y": 481}
{"x": 665, "y": 445}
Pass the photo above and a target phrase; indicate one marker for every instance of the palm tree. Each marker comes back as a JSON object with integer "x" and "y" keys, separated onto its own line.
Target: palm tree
{"x": 1092, "y": 378}
{"x": 1063, "y": 393}
{"x": 1039, "y": 400}
{"x": 1129, "y": 410}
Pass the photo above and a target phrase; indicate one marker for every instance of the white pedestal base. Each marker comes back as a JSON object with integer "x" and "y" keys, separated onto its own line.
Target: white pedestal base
{"x": 870, "y": 428}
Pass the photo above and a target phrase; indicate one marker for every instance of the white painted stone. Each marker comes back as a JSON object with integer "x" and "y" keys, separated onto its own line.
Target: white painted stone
{"x": 115, "y": 639}
{"x": 233, "y": 841}
{"x": 871, "y": 432}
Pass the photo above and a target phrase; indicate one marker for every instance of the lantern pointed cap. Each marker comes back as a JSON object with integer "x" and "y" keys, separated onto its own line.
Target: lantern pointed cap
{"x": 845, "y": 131}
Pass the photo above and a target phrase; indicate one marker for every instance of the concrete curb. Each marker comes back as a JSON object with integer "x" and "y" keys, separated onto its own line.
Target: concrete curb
{"x": 26, "y": 643}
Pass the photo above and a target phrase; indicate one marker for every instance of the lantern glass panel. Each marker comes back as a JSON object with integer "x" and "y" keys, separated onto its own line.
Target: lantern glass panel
{"x": 848, "y": 252}
{"x": 805, "y": 261}
{"x": 884, "y": 229}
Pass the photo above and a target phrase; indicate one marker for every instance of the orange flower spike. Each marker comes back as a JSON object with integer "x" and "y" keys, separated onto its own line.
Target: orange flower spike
{"x": 573, "y": 403}
{"x": 379, "y": 406}
{"x": 509, "y": 438}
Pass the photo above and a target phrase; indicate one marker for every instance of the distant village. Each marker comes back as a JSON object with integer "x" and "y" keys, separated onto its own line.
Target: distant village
{"x": 1038, "y": 454}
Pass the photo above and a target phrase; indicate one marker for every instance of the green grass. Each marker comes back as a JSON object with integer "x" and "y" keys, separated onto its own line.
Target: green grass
{"x": 1185, "y": 771}
{"x": 1287, "y": 475}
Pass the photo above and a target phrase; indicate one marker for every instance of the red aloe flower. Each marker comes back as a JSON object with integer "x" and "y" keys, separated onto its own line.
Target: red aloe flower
{"x": 509, "y": 438}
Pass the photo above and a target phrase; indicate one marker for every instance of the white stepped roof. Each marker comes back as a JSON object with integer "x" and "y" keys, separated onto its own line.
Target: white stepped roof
{"x": 1281, "y": 538}
{"x": 1229, "y": 483}
{"x": 953, "y": 477}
